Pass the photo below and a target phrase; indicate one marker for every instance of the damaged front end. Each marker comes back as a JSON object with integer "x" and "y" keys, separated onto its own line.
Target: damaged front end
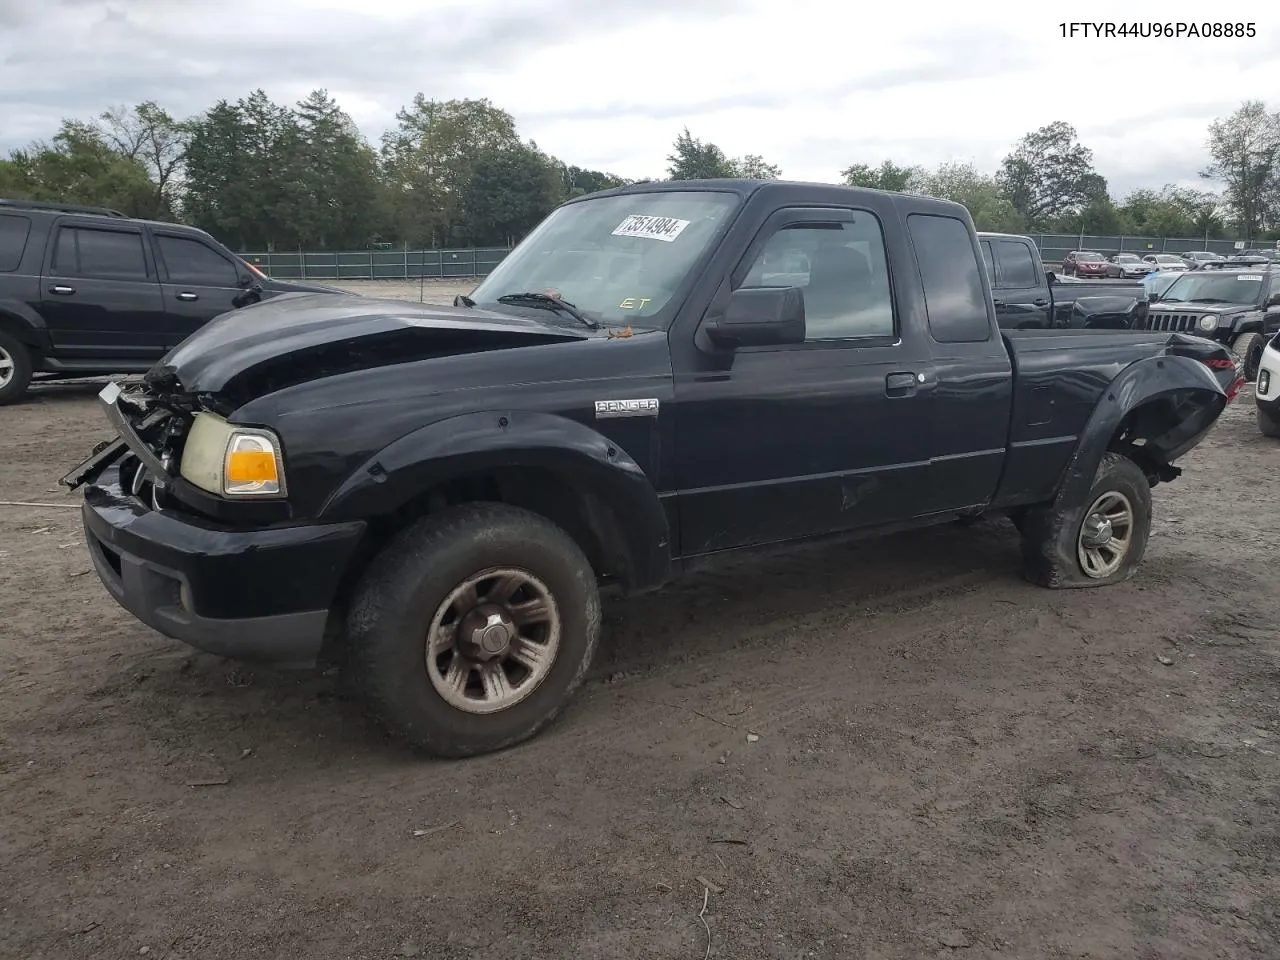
{"x": 151, "y": 428}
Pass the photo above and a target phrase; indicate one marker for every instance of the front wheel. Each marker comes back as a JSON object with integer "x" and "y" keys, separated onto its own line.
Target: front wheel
{"x": 1268, "y": 423}
{"x": 472, "y": 630}
{"x": 1248, "y": 349}
{"x": 1097, "y": 543}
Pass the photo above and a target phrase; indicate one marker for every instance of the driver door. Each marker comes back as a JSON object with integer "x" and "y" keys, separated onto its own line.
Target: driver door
{"x": 780, "y": 442}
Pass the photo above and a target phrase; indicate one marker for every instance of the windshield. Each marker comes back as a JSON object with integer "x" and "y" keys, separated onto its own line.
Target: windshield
{"x": 1089, "y": 257}
{"x": 1198, "y": 287}
{"x": 617, "y": 258}
{"x": 1126, "y": 258}
{"x": 1168, "y": 258}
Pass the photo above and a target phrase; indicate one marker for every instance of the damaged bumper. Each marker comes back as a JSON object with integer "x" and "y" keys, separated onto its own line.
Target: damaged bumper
{"x": 258, "y": 595}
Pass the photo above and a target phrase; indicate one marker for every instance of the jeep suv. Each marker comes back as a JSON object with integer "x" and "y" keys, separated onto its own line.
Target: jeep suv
{"x": 86, "y": 291}
{"x": 1234, "y": 304}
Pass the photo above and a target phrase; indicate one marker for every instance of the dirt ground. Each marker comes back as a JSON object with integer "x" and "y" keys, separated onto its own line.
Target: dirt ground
{"x": 886, "y": 750}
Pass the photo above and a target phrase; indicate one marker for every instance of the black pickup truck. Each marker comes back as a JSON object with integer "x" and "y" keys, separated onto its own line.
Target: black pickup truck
{"x": 87, "y": 291}
{"x": 1029, "y": 297}
{"x": 434, "y": 496}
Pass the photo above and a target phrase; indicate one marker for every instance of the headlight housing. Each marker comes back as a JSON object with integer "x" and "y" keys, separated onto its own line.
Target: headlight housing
{"x": 232, "y": 461}
{"x": 1209, "y": 323}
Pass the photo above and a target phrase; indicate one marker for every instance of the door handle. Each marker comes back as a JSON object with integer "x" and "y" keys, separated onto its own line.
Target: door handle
{"x": 1042, "y": 302}
{"x": 62, "y": 291}
{"x": 187, "y": 295}
{"x": 901, "y": 384}
{"x": 997, "y": 303}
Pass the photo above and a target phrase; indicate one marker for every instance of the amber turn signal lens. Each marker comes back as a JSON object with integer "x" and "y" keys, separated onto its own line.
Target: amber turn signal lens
{"x": 251, "y": 465}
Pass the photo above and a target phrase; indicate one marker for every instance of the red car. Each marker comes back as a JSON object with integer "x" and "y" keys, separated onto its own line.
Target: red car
{"x": 1084, "y": 263}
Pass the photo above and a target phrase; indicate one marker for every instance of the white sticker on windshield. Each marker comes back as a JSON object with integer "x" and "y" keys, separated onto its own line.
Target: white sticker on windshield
{"x": 1250, "y": 276}
{"x": 651, "y": 228}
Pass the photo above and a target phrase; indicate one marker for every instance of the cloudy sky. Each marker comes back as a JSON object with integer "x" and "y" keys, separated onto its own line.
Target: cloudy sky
{"x": 813, "y": 85}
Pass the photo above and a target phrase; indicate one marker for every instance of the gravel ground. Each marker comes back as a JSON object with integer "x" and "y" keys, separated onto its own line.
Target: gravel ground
{"x": 885, "y": 749}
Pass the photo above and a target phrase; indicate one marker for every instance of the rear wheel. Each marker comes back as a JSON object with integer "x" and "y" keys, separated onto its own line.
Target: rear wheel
{"x": 1248, "y": 348}
{"x": 1268, "y": 423}
{"x": 1097, "y": 543}
{"x": 15, "y": 368}
{"x": 473, "y": 629}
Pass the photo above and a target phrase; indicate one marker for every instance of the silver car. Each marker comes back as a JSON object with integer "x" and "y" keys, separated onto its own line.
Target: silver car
{"x": 1124, "y": 266}
{"x": 1166, "y": 261}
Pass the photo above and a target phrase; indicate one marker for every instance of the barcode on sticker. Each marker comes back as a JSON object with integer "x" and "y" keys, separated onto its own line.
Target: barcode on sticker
{"x": 651, "y": 228}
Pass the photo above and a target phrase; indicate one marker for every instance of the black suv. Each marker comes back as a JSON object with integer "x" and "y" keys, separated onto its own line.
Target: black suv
{"x": 1233, "y": 303}
{"x": 86, "y": 291}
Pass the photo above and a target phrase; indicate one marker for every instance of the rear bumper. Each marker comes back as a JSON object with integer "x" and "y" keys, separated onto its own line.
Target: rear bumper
{"x": 259, "y": 595}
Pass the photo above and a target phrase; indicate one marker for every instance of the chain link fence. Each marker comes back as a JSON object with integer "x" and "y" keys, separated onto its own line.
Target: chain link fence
{"x": 379, "y": 264}
{"x": 478, "y": 261}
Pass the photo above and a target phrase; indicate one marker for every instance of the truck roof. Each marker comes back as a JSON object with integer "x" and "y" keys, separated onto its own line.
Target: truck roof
{"x": 784, "y": 190}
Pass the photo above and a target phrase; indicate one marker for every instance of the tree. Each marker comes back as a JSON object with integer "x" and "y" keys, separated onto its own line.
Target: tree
{"x": 1049, "y": 175}
{"x": 78, "y": 166}
{"x": 149, "y": 135}
{"x": 578, "y": 182}
{"x": 430, "y": 158}
{"x": 511, "y": 189}
{"x": 695, "y": 160}
{"x": 338, "y": 176}
{"x": 887, "y": 176}
{"x": 246, "y": 173}
{"x": 754, "y": 167}
{"x": 964, "y": 183}
{"x": 1246, "y": 156}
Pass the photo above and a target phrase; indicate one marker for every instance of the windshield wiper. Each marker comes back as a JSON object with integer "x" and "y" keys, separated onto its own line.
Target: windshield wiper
{"x": 546, "y": 302}
{"x": 1206, "y": 300}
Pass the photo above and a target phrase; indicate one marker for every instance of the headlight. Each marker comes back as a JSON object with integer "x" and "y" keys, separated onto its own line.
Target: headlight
{"x": 1209, "y": 323}
{"x": 232, "y": 461}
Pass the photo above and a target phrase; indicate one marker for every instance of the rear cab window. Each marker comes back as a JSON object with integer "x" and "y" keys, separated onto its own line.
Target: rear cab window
{"x": 950, "y": 273}
{"x": 1017, "y": 266}
{"x": 13, "y": 241}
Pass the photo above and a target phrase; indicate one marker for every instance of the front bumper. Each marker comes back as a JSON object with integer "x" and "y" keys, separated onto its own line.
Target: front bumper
{"x": 259, "y": 595}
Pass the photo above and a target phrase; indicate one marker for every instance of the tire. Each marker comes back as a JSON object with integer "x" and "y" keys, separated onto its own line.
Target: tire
{"x": 1248, "y": 349}
{"x": 409, "y": 585}
{"x": 1268, "y": 424}
{"x": 15, "y": 368}
{"x": 1055, "y": 539}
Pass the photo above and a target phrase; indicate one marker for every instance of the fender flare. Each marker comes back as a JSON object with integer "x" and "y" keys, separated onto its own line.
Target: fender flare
{"x": 1248, "y": 323}
{"x": 1148, "y": 380}
{"x": 620, "y": 502}
{"x": 24, "y": 323}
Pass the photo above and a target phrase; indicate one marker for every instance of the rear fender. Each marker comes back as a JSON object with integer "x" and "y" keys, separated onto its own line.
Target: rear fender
{"x": 1165, "y": 404}
{"x": 616, "y": 497}
{"x": 19, "y": 320}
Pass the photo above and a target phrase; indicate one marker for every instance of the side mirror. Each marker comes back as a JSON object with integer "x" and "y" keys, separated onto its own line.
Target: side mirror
{"x": 759, "y": 316}
{"x": 1051, "y": 277}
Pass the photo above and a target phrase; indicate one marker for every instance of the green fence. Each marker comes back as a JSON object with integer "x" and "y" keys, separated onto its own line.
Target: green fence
{"x": 478, "y": 261}
{"x": 379, "y": 264}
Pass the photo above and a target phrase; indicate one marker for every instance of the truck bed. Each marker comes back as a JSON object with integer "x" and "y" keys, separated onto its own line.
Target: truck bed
{"x": 1049, "y": 409}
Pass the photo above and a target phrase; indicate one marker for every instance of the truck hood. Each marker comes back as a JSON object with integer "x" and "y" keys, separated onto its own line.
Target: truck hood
{"x": 297, "y": 337}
